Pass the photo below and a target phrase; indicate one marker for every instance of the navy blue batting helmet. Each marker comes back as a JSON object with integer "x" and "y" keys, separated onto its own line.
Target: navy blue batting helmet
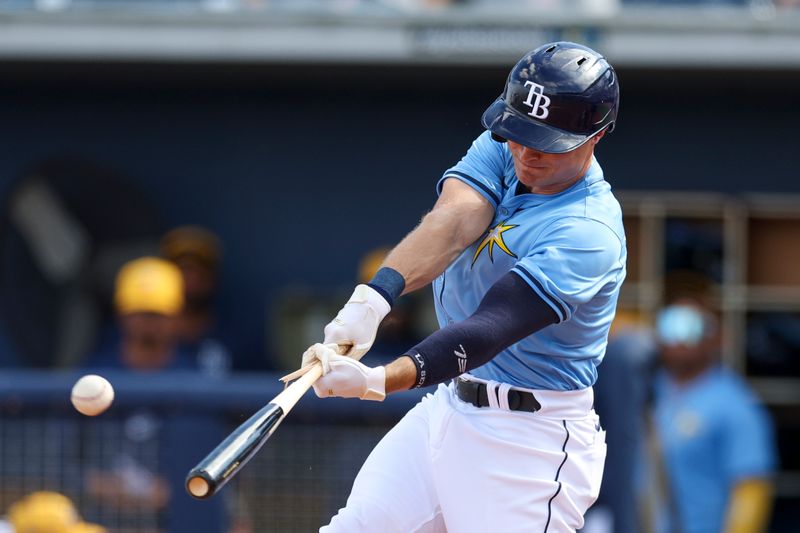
{"x": 556, "y": 98}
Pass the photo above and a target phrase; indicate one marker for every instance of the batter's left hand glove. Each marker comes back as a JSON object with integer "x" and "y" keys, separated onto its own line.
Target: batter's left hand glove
{"x": 356, "y": 324}
{"x": 344, "y": 377}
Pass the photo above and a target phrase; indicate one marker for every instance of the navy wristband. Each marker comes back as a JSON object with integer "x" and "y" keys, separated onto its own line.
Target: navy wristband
{"x": 420, "y": 362}
{"x": 389, "y": 283}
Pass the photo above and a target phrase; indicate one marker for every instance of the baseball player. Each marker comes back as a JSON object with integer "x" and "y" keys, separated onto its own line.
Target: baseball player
{"x": 526, "y": 252}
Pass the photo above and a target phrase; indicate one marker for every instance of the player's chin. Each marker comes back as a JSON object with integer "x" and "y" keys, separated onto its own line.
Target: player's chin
{"x": 532, "y": 177}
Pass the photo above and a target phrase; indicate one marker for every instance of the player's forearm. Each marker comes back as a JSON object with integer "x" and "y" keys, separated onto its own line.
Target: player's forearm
{"x": 749, "y": 506}
{"x": 401, "y": 374}
{"x": 509, "y": 312}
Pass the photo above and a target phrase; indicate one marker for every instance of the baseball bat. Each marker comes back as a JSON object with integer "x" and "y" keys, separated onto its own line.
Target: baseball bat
{"x": 219, "y": 466}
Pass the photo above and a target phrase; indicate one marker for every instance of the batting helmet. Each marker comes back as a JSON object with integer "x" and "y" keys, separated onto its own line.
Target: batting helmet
{"x": 556, "y": 98}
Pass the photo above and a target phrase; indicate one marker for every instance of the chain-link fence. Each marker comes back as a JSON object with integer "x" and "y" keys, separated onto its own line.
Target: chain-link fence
{"x": 125, "y": 469}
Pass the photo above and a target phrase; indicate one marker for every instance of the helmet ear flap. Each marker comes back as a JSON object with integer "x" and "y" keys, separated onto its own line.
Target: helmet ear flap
{"x": 497, "y": 138}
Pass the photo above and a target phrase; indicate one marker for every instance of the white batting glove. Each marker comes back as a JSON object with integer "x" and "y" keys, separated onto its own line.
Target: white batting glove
{"x": 356, "y": 325}
{"x": 345, "y": 377}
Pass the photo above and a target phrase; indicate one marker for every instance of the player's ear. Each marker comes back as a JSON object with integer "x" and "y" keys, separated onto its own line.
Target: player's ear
{"x": 596, "y": 138}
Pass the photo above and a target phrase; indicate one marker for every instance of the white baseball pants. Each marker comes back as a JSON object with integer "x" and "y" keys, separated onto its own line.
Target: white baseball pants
{"x": 449, "y": 466}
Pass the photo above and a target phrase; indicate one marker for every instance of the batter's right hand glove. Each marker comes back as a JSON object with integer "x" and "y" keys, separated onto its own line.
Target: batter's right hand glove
{"x": 356, "y": 325}
{"x": 344, "y": 377}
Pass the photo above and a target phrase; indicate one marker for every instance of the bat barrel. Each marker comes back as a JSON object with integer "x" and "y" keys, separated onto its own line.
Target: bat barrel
{"x": 219, "y": 466}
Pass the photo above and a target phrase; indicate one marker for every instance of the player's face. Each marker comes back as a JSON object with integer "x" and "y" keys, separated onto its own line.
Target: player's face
{"x": 545, "y": 173}
{"x": 685, "y": 362}
{"x": 149, "y": 330}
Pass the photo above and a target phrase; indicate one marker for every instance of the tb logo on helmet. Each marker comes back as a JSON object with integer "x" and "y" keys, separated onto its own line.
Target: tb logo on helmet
{"x": 539, "y": 108}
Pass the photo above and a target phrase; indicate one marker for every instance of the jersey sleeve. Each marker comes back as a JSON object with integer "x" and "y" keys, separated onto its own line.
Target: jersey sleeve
{"x": 747, "y": 441}
{"x": 483, "y": 168}
{"x": 570, "y": 262}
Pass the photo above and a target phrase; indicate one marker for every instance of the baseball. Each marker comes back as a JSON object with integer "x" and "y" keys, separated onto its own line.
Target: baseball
{"x": 92, "y": 394}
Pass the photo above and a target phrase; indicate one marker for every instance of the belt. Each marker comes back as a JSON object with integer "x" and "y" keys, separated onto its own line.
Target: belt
{"x": 476, "y": 394}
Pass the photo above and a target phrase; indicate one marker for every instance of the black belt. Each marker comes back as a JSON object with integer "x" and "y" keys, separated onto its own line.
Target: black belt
{"x": 475, "y": 393}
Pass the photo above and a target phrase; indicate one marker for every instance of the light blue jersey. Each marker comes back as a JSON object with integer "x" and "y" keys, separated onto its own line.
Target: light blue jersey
{"x": 713, "y": 433}
{"x": 569, "y": 247}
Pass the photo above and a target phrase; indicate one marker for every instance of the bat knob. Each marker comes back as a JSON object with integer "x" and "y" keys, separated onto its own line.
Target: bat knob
{"x": 198, "y": 486}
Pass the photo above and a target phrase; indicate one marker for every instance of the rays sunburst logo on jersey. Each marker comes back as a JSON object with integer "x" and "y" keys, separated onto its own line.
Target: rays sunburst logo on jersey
{"x": 494, "y": 237}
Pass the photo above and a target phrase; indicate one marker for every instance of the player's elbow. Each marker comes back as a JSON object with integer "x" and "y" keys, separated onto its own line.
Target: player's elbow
{"x": 461, "y": 224}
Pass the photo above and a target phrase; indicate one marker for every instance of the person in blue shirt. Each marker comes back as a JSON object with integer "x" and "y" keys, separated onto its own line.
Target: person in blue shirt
{"x": 715, "y": 438}
{"x": 526, "y": 253}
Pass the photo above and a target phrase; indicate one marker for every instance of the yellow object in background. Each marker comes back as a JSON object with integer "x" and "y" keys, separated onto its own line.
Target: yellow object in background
{"x": 750, "y": 506}
{"x": 149, "y": 285}
{"x": 370, "y": 263}
{"x": 48, "y": 512}
{"x": 43, "y": 512}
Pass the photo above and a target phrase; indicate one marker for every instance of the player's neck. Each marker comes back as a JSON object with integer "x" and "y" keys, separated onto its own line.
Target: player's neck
{"x": 550, "y": 189}
{"x": 556, "y": 187}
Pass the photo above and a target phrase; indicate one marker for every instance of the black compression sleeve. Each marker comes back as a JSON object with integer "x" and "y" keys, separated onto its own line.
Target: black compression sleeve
{"x": 510, "y": 311}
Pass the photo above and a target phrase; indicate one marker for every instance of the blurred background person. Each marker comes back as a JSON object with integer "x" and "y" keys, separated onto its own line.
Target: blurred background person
{"x": 712, "y": 446}
{"x": 197, "y": 253}
{"x": 148, "y": 299}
